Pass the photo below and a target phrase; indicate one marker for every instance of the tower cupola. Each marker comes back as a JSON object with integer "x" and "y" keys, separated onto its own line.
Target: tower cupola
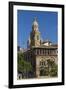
{"x": 35, "y": 25}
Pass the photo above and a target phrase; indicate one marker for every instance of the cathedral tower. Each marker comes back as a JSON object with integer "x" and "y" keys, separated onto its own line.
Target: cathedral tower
{"x": 35, "y": 34}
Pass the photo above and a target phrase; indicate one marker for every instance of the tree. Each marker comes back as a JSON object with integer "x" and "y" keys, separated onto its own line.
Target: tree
{"x": 23, "y": 65}
{"x": 53, "y": 68}
{"x": 54, "y": 71}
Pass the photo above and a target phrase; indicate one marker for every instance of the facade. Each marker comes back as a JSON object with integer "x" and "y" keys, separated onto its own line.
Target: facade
{"x": 43, "y": 55}
{"x": 40, "y": 53}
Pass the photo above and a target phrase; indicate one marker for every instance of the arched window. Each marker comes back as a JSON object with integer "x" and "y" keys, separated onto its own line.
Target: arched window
{"x": 41, "y": 63}
{"x": 37, "y": 37}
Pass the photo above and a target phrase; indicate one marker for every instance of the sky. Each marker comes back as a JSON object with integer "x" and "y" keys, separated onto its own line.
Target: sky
{"x": 47, "y": 21}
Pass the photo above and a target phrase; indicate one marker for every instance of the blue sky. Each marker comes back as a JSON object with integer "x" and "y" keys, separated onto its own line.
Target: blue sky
{"x": 47, "y": 25}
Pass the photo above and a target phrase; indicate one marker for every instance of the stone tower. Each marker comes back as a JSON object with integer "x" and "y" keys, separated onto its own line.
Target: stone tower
{"x": 35, "y": 34}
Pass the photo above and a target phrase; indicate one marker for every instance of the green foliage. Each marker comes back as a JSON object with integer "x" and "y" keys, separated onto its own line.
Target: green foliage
{"x": 50, "y": 70}
{"x": 44, "y": 72}
{"x": 23, "y": 65}
{"x": 53, "y": 68}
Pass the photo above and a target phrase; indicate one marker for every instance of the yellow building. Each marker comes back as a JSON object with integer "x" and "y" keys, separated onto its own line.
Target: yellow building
{"x": 41, "y": 54}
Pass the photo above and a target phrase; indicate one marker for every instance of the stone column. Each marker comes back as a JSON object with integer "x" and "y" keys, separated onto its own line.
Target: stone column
{"x": 37, "y": 67}
{"x": 37, "y": 72}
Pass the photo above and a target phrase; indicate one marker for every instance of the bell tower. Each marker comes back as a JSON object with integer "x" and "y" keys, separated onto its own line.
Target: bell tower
{"x": 35, "y": 34}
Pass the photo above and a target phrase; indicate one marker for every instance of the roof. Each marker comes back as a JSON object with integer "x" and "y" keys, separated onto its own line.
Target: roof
{"x": 44, "y": 46}
{"x": 46, "y": 41}
{"x": 35, "y": 23}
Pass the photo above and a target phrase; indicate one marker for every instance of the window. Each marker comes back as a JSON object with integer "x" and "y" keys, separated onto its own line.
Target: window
{"x": 37, "y": 51}
{"x": 40, "y": 51}
{"x": 37, "y": 37}
{"x": 48, "y": 51}
{"x": 41, "y": 63}
{"x": 43, "y": 51}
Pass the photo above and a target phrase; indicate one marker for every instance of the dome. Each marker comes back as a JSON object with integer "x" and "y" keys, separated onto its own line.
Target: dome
{"x": 35, "y": 23}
